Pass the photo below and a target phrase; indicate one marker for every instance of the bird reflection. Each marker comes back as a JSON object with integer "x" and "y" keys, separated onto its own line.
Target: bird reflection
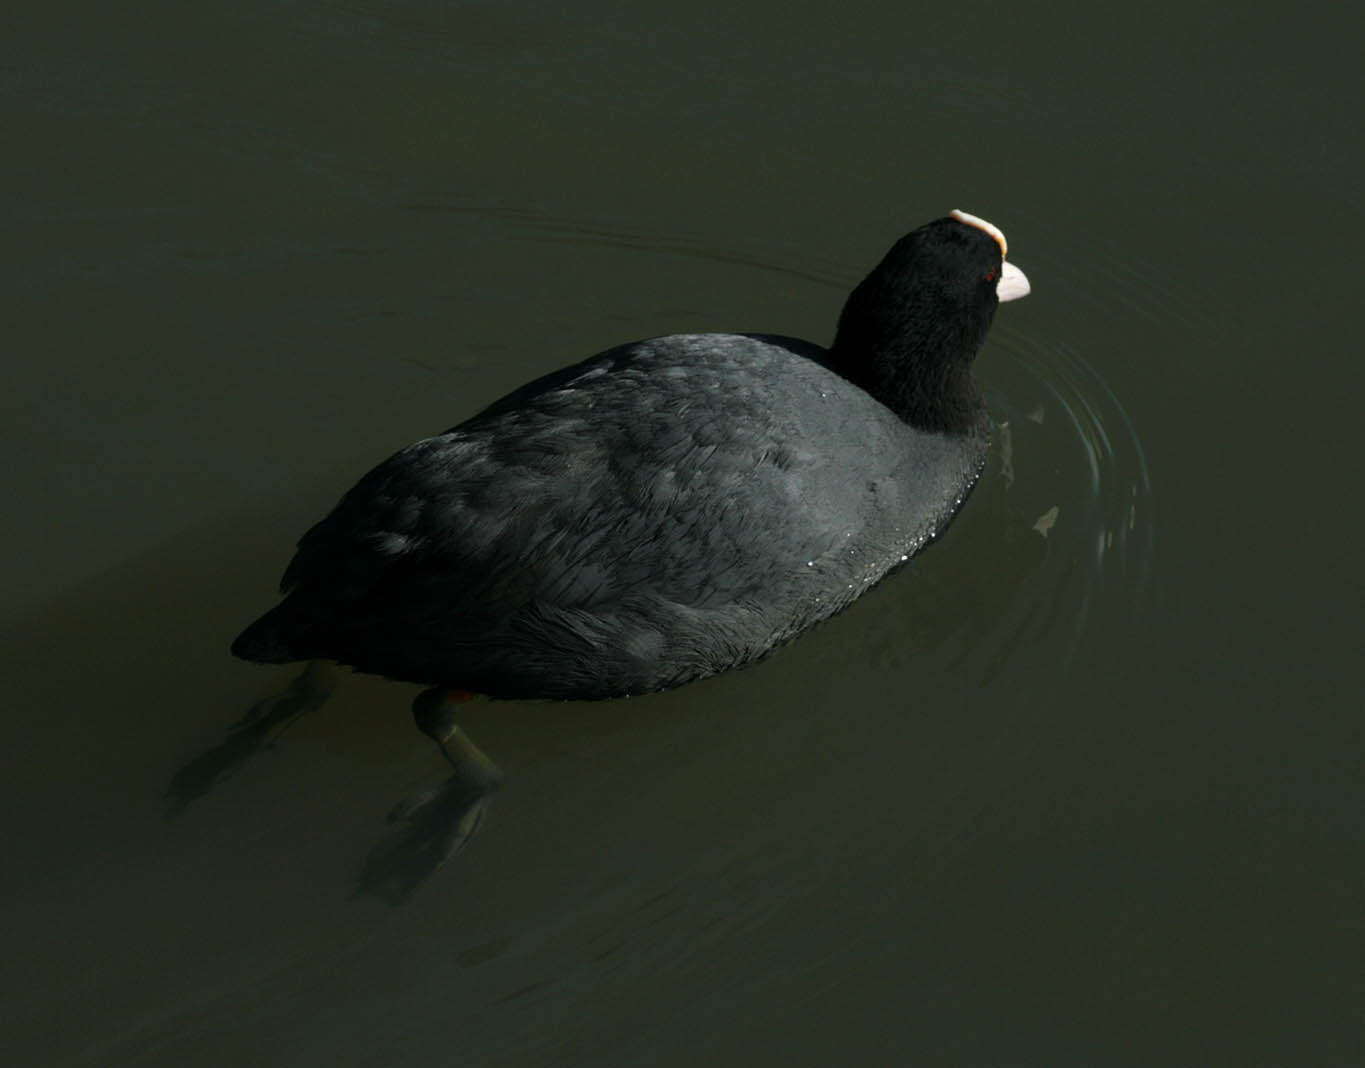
{"x": 255, "y": 732}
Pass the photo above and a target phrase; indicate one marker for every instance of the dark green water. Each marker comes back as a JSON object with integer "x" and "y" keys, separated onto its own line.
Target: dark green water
{"x": 1086, "y": 797}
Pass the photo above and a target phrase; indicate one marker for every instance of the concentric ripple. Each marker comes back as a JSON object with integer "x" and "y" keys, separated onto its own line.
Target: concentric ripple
{"x": 1070, "y": 460}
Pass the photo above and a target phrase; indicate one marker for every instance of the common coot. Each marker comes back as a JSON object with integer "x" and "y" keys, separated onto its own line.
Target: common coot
{"x": 665, "y": 510}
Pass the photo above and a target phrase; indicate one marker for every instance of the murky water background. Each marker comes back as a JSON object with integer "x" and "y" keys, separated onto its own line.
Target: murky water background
{"x": 1082, "y": 786}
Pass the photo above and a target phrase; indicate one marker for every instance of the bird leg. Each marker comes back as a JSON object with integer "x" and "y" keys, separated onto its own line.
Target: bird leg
{"x": 434, "y": 711}
{"x": 435, "y": 823}
{"x": 475, "y": 775}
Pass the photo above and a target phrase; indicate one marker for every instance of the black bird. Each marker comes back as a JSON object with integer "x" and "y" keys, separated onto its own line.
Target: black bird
{"x": 665, "y": 510}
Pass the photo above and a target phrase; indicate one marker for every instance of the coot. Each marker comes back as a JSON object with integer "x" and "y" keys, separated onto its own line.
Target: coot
{"x": 665, "y": 510}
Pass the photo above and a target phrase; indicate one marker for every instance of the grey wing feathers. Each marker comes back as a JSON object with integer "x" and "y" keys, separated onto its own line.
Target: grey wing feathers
{"x": 591, "y": 489}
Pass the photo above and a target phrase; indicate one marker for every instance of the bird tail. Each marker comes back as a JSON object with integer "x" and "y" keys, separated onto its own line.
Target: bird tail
{"x": 281, "y": 636}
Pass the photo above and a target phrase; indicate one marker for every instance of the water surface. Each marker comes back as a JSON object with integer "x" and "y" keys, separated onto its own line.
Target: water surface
{"x": 1079, "y": 786}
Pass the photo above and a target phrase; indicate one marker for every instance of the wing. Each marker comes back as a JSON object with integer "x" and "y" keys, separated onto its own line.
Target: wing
{"x": 686, "y": 484}
{"x": 657, "y": 466}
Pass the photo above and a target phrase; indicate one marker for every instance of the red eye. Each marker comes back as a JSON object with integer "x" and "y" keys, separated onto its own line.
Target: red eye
{"x": 990, "y": 275}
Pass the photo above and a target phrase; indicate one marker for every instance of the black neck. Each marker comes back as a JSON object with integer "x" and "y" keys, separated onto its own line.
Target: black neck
{"x": 914, "y": 354}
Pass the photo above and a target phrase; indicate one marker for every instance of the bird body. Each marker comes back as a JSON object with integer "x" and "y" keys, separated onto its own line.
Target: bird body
{"x": 665, "y": 510}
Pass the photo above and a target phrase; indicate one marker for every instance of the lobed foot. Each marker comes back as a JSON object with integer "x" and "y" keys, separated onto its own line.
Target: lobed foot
{"x": 433, "y": 824}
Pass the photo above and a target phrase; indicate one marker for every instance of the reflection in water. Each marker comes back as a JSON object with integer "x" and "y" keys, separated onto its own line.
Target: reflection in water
{"x": 254, "y": 733}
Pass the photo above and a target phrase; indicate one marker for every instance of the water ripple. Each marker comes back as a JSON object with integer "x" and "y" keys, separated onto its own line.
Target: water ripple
{"x": 539, "y": 225}
{"x": 1070, "y": 456}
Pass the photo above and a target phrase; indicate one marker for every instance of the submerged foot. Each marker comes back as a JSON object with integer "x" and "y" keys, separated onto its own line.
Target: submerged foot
{"x": 255, "y": 732}
{"x": 433, "y": 824}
